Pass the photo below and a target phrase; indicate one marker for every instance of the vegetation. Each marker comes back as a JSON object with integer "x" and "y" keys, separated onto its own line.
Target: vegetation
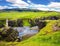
{"x": 31, "y": 15}
{"x": 47, "y": 35}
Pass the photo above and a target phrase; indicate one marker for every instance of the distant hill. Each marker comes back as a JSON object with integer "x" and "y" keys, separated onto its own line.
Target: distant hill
{"x": 20, "y": 10}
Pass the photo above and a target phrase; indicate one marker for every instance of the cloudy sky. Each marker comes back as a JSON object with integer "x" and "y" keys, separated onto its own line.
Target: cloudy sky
{"x": 51, "y": 5}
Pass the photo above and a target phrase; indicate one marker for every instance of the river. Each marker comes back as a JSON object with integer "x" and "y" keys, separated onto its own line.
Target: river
{"x": 26, "y": 30}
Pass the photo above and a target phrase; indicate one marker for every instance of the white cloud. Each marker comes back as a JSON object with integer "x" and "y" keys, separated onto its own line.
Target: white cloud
{"x": 3, "y": 7}
{"x": 54, "y": 5}
{"x": 43, "y": 8}
{"x": 29, "y": 2}
{"x": 6, "y": 7}
{"x": 18, "y": 3}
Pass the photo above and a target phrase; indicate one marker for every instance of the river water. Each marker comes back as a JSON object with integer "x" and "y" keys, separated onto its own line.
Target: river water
{"x": 26, "y": 30}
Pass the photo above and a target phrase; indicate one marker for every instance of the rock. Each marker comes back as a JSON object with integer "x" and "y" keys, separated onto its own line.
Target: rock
{"x": 34, "y": 28}
{"x": 12, "y": 35}
{"x": 19, "y": 22}
{"x": 9, "y": 34}
{"x": 1, "y": 25}
{"x": 41, "y": 24}
{"x": 52, "y": 18}
{"x": 32, "y": 23}
{"x": 11, "y": 23}
{"x": 56, "y": 27}
{"x": 27, "y": 36}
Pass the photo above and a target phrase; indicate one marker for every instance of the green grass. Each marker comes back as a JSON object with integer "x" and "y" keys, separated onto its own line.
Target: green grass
{"x": 26, "y": 23}
{"x": 21, "y": 15}
{"x": 31, "y": 15}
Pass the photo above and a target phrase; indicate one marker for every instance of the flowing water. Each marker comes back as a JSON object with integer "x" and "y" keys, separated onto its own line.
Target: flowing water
{"x": 26, "y": 30}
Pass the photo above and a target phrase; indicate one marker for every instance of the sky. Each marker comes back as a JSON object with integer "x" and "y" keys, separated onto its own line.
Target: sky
{"x": 46, "y": 5}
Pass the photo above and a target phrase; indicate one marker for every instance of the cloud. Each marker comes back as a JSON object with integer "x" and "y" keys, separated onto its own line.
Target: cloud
{"x": 3, "y": 7}
{"x": 18, "y": 3}
{"x": 29, "y": 1}
{"x": 36, "y": 6}
{"x": 6, "y": 7}
{"x": 52, "y": 6}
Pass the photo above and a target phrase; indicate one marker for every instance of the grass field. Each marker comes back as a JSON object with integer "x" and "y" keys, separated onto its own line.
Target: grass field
{"x": 46, "y": 36}
{"x": 19, "y": 15}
